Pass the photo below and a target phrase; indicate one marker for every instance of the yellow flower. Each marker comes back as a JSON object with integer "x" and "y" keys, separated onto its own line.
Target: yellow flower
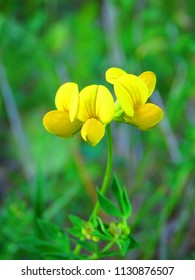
{"x": 96, "y": 109}
{"x": 91, "y": 110}
{"x": 132, "y": 93}
{"x": 63, "y": 122}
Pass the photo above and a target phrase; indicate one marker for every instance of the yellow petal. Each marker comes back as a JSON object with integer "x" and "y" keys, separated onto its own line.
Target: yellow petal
{"x": 87, "y": 103}
{"x": 124, "y": 99}
{"x": 113, "y": 74}
{"x": 131, "y": 92}
{"x": 58, "y": 123}
{"x": 97, "y": 102}
{"x": 146, "y": 116}
{"x": 105, "y": 107}
{"x": 92, "y": 131}
{"x": 150, "y": 79}
{"x": 74, "y": 104}
{"x": 67, "y": 99}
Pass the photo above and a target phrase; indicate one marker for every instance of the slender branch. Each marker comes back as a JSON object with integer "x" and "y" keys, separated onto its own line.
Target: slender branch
{"x": 108, "y": 170}
{"x": 105, "y": 181}
{"x": 109, "y": 161}
{"x": 77, "y": 249}
{"x": 108, "y": 246}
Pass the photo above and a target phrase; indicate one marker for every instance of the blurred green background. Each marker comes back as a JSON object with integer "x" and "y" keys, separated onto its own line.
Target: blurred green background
{"x": 46, "y": 43}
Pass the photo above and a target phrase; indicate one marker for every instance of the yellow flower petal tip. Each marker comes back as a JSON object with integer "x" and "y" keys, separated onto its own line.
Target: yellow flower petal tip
{"x": 113, "y": 74}
{"x": 67, "y": 99}
{"x": 150, "y": 80}
{"x": 92, "y": 131}
{"x": 146, "y": 116}
{"x": 58, "y": 123}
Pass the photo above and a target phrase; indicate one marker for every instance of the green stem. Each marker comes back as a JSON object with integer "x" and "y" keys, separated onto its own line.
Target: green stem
{"x": 105, "y": 181}
{"x": 108, "y": 170}
{"x": 77, "y": 249}
{"x": 108, "y": 246}
{"x": 124, "y": 221}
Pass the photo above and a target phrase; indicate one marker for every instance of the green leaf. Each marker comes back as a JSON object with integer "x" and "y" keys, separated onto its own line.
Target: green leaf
{"x": 48, "y": 229}
{"x": 102, "y": 232}
{"x": 94, "y": 221}
{"x": 121, "y": 197}
{"x": 101, "y": 235}
{"x": 133, "y": 243}
{"x": 102, "y": 227}
{"x": 108, "y": 206}
{"x": 40, "y": 246}
{"x": 87, "y": 245}
{"x": 76, "y": 221}
{"x": 75, "y": 232}
{"x": 123, "y": 246}
{"x": 127, "y": 204}
{"x": 54, "y": 234}
{"x": 28, "y": 244}
{"x": 117, "y": 191}
{"x": 45, "y": 247}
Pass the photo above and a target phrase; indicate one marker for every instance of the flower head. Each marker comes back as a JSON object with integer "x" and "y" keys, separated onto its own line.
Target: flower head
{"x": 96, "y": 109}
{"x": 90, "y": 110}
{"x": 132, "y": 93}
{"x": 63, "y": 122}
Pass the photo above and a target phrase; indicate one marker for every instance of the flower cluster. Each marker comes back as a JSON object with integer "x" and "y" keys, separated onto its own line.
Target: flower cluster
{"x": 119, "y": 230}
{"x": 92, "y": 108}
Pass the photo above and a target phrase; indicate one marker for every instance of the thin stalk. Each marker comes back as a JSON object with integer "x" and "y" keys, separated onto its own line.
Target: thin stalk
{"x": 77, "y": 249}
{"x": 105, "y": 180}
{"x": 108, "y": 170}
{"x": 108, "y": 246}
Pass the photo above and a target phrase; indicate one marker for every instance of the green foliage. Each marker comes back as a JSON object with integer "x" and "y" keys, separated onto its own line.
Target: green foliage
{"x": 108, "y": 206}
{"x": 53, "y": 233}
{"x": 52, "y": 242}
{"x": 122, "y": 198}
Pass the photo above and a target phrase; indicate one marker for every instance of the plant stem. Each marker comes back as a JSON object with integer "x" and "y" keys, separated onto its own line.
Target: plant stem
{"x": 105, "y": 181}
{"x": 108, "y": 246}
{"x": 77, "y": 249}
{"x": 108, "y": 170}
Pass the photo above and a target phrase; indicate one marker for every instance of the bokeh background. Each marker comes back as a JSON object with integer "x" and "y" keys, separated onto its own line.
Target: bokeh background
{"x": 44, "y": 43}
